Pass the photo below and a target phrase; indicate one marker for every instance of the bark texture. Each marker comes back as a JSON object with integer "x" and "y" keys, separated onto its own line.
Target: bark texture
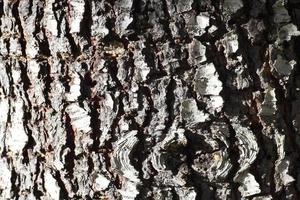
{"x": 149, "y": 99}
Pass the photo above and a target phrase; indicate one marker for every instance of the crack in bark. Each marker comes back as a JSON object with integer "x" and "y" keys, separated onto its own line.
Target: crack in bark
{"x": 70, "y": 144}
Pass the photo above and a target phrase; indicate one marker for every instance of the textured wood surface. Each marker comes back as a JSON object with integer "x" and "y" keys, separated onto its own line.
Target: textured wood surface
{"x": 149, "y": 99}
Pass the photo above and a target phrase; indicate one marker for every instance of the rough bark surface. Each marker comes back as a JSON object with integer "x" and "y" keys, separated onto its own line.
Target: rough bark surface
{"x": 149, "y": 99}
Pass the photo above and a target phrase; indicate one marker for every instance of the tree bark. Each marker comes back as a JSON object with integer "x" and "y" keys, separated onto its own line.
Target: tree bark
{"x": 149, "y": 99}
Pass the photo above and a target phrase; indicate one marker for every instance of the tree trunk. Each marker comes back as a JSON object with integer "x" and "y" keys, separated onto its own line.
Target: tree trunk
{"x": 149, "y": 99}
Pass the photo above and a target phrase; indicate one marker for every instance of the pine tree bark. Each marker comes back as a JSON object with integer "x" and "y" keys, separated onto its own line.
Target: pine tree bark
{"x": 149, "y": 99}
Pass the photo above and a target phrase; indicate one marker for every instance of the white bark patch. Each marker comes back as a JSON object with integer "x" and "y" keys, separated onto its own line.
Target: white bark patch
{"x": 282, "y": 164}
{"x": 230, "y": 43}
{"x": 51, "y": 186}
{"x": 33, "y": 69}
{"x": 16, "y": 136}
{"x": 15, "y": 47}
{"x": 215, "y": 104}
{"x": 129, "y": 192}
{"x": 206, "y": 81}
{"x": 268, "y": 107}
{"x": 283, "y": 168}
{"x": 142, "y": 69}
{"x": 266, "y": 197}
{"x": 221, "y": 164}
{"x": 191, "y": 114}
{"x": 77, "y": 10}
{"x": 5, "y": 183}
{"x": 212, "y": 29}
{"x": 49, "y": 18}
{"x": 80, "y": 119}
{"x": 74, "y": 88}
{"x": 196, "y": 52}
{"x": 123, "y": 16}
{"x": 203, "y": 20}
{"x": 98, "y": 28}
{"x": 249, "y": 185}
{"x": 101, "y": 183}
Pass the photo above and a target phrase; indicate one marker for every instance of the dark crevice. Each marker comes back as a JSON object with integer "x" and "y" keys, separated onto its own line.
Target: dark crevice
{"x": 142, "y": 149}
{"x": 31, "y": 142}
{"x": 27, "y": 112}
{"x": 166, "y": 23}
{"x": 112, "y": 67}
{"x": 234, "y": 156}
{"x": 193, "y": 178}
{"x": 112, "y": 131}
{"x": 140, "y": 18}
{"x": 43, "y": 43}
{"x": 253, "y": 56}
{"x": 170, "y": 100}
{"x": 25, "y": 80}
{"x": 15, "y": 184}
{"x": 65, "y": 79}
{"x": 30, "y": 7}
{"x": 8, "y": 69}
{"x": 150, "y": 59}
{"x": 63, "y": 195}
{"x": 45, "y": 74}
{"x": 70, "y": 144}
{"x": 91, "y": 165}
{"x": 86, "y": 23}
{"x": 36, "y": 192}
{"x": 250, "y": 55}
{"x": 265, "y": 154}
{"x": 95, "y": 124}
{"x": 39, "y": 16}
{"x": 145, "y": 91}
{"x": 174, "y": 194}
{"x": 44, "y": 48}
{"x": 138, "y": 155}
{"x": 86, "y": 83}
{"x": 75, "y": 49}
